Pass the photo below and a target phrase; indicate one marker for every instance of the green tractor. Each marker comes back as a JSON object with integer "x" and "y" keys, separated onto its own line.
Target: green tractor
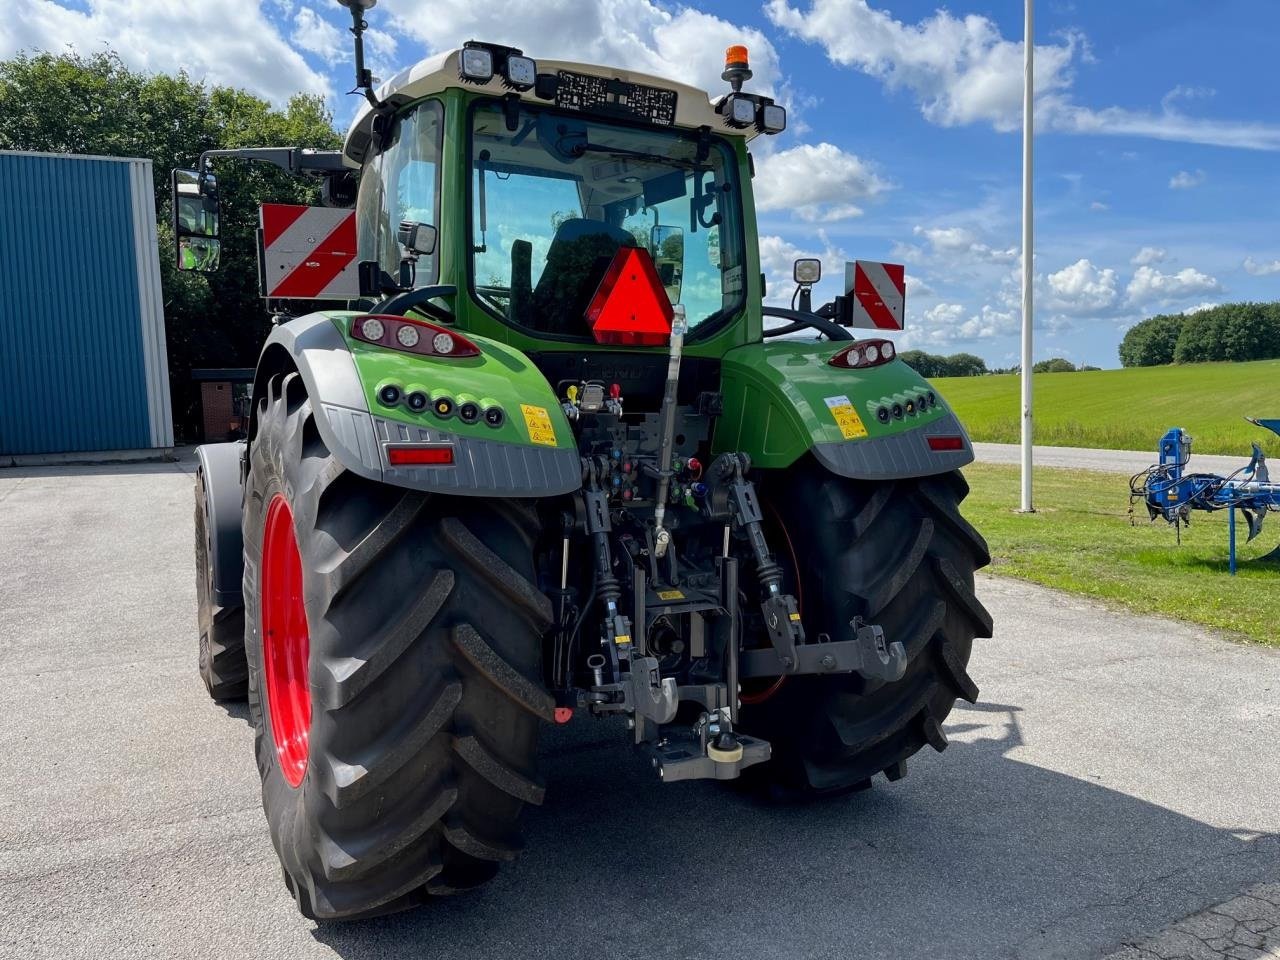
{"x": 548, "y": 462}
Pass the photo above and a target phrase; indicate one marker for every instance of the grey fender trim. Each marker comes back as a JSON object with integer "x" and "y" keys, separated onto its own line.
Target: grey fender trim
{"x": 329, "y": 374}
{"x": 482, "y": 468}
{"x": 899, "y": 456}
{"x": 224, "y": 500}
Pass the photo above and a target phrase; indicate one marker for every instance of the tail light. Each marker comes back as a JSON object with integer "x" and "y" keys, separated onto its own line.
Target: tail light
{"x": 863, "y": 354}
{"x": 420, "y": 455}
{"x": 940, "y": 444}
{"x": 413, "y": 336}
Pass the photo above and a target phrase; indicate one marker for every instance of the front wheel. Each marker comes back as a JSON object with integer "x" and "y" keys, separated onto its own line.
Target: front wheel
{"x": 394, "y": 645}
{"x": 894, "y": 553}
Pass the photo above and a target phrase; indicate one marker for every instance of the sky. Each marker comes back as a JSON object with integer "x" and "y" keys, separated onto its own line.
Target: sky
{"x": 1157, "y": 177}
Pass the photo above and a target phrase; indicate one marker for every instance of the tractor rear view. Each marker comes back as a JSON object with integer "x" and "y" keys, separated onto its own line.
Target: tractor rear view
{"x": 549, "y": 464}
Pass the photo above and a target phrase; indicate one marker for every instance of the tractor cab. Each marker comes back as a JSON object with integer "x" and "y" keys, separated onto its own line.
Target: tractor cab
{"x": 536, "y": 174}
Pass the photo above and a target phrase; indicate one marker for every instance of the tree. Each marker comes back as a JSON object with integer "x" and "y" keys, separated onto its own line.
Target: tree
{"x": 1229, "y": 331}
{"x": 68, "y": 103}
{"x": 1056, "y": 365}
{"x": 930, "y": 365}
{"x": 966, "y": 365}
{"x": 1151, "y": 342}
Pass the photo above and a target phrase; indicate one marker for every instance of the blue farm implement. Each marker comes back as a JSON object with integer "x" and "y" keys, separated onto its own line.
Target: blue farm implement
{"x": 1172, "y": 493}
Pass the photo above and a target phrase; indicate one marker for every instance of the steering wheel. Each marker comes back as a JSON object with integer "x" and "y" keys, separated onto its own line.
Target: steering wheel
{"x": 800, "y": 320}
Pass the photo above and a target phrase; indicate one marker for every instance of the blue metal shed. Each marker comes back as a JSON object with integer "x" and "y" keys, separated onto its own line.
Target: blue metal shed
{"x": 83, "y": 366}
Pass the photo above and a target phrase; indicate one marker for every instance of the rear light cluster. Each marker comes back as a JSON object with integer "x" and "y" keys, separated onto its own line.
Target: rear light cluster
{"x": 413, "y": 336}
{"x": 899, "y": 408}
{"x": 443, "y": 406}
{"x": 420, "y": 454}
{"x": 863, "y": 354}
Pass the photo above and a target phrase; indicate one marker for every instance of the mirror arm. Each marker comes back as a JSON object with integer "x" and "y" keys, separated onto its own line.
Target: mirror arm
{"x": 291, "y": 159}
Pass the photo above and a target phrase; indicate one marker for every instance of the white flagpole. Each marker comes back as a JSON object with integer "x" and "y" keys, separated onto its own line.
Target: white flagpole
{"x": 1028, "y": 131}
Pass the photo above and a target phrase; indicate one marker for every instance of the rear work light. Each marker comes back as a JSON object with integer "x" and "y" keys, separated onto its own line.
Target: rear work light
{"x": 421, "y": 455}
{"x": 939, "y": 444}
{"x": 413, "y": 336}
{"x": 863, "y": 354}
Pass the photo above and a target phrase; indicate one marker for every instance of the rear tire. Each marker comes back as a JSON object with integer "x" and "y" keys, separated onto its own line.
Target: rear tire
{"x": 898, "y": 554}
{"x": 425, "y": 635}
{"x": 222, "y": 662}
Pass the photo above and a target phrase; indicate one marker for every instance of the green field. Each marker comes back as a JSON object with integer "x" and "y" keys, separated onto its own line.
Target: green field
{"x": 1128, "y": 409}
{"x": 1081, "y": 540}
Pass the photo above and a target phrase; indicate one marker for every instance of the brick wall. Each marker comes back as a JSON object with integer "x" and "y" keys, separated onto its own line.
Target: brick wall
{"x": 216, "y": 403}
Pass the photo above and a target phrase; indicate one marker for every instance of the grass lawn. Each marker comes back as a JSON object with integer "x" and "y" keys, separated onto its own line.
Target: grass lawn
{"x": 1128, "y": 409}
{"x": 1081, "y": 541}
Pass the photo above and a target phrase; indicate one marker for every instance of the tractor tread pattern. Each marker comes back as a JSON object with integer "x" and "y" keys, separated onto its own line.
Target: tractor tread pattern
{"x": 425, "y": 628}
{"x": 897, "y": 554}
{"x": 221, "y": 657}
{"x": 526, "y": 694}
{"x": 474, "y": 754}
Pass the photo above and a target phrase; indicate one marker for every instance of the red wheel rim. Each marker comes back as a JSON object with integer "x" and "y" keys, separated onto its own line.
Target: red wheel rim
{"x": 286, "y": 643}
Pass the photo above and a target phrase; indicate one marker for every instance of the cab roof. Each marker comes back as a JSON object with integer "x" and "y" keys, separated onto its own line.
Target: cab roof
{"x": 694, "y": 107}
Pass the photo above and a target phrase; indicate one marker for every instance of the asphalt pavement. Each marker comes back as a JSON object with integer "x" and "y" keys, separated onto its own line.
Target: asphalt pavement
{"x": 1105, "y": 461}
{"x": 1119, "y": 774}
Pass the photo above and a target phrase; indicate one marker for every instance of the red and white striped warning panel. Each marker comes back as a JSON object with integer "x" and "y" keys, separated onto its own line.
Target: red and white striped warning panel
{"x": 879, "y": 292}
{"x": 309, "y": 253}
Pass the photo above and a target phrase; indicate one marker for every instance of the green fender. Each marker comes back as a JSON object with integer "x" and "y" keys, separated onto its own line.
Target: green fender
{"x": 782, "y": 399}
{"x": 531, "y": 453}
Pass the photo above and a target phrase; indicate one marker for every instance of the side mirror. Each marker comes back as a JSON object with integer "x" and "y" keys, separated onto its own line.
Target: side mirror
{"x": 196, "y": 220}
{"x": 667, "y": 246}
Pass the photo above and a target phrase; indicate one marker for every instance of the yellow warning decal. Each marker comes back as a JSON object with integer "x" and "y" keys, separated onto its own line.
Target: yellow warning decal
{"x": 539, "y": 423}
{"x": 795, "y": 616}
{"x": 847, "y": 419}
{"x": 670, "y": 595}
{"x": 622, "y": 638}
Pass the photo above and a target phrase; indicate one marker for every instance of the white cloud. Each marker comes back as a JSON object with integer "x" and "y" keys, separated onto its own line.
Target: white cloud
{"x": 1261, "y": 268}
{"x": 963, "y": 70}
{"x": 917, "y": 287}
{"x": 637, "y": 34}
{"x": 959, "y": 70}
{"x": 1148, "y": 255}
{"x": 777, "y": 257}
{"x": 1082, "y": 289}
{"x": 1099, "y": 207}
{"x": 316, "y": 35}
{"x": 1149, "y": 285}
{"x": 962, "y": 243}
{"x": 1207, "y": 305}
{"x": 228, "y": 42}
{"x": 1185, "y": 180}
{"x": 816, "y": 182}
{"x": 943, "y": 314}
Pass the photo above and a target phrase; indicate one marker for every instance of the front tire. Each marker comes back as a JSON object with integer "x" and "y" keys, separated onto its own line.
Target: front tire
{"x": 423, "y": 636}
{"x": 895, "y": 553}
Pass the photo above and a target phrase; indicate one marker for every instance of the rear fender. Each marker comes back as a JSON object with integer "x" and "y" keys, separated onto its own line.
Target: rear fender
{"x": 220, "y": 466}
{"x": 342, "y": 378}
{"x": 782, "y": 400}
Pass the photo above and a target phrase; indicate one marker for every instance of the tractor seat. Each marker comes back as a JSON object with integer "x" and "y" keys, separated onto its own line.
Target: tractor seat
{"x": 577, "y": 259}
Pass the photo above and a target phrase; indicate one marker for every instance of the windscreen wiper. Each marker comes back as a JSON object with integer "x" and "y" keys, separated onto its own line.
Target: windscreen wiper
{"x": 640, "y": 155}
